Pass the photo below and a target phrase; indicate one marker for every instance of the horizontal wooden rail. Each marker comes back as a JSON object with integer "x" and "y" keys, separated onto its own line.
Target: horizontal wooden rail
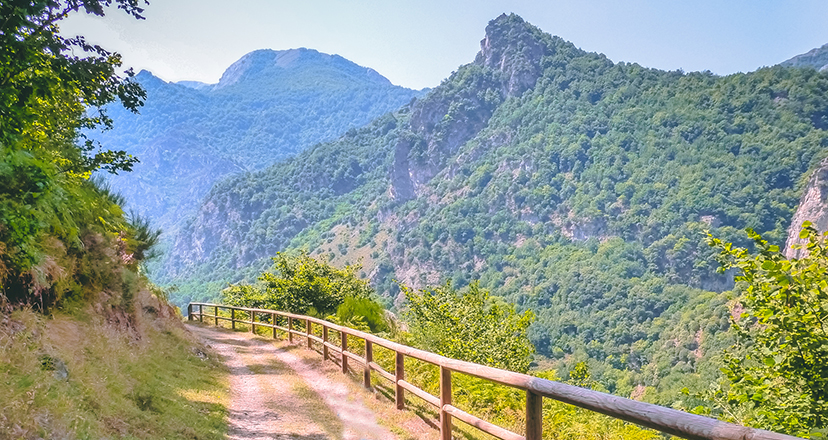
{"x": 482, "y": 425}
{"x": 408, "y": 386}
{"x": 667, "y": 420}
{"x": 381, "y": 371}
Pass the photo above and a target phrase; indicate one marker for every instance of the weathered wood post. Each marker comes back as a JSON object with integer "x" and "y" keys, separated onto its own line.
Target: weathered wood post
{"x": 233, "y": 318}
{"x": 399, "y": 374}
{"x": 445, "y": 399}
{"x": 324, "y": 342}
{"x": 290, "y": 327}
{"x": 534, "y": 416}
{"x": 344, "y": 338}
{"x": 369, "y": 357}
{"x": 273, "y": 323}
{"x": 308, "y": 333}
{"x": 200, "y": 313}
{"x": 216, "y": 316}
{"x": 252, "y": 322}
{"x": 189, "y": 312}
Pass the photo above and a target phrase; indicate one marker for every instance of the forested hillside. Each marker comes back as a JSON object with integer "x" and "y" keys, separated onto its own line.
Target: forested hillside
{"x": 566, "y": 183}
{"x": 266, "y": 107}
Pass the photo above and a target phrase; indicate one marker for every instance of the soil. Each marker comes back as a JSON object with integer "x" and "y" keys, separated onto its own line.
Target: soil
{"x": 276, "y": 393}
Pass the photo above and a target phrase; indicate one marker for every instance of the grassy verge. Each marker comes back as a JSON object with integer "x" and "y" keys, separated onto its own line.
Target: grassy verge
{"x": 90, "y": 377}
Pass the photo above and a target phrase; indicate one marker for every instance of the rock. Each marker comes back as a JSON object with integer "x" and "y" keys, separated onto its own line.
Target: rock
{"x": 813, "y": 207}
{"x": 51, "y": 363}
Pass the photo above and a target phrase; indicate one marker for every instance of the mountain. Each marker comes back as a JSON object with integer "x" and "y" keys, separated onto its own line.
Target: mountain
{"x": 267, "y": 106}
{"x": 566, "y": 183}
{"x": 816, "y": 58}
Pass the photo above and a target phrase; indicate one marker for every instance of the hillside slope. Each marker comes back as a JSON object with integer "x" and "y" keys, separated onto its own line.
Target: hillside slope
{"x": 568, "y": 184}
{"x": 120, "y": 365}
{"x": 267, "y": 106}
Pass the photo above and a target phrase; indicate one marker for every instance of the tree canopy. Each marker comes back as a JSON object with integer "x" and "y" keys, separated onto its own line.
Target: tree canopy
{"x": 52, "y": 88}
{"x": 300, "y": 284}
{"x": 470, "y": 325}
{"x": 777, "y": 371}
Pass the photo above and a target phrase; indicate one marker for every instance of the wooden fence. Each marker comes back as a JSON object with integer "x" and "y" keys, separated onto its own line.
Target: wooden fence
{"x": 663, "y": 419}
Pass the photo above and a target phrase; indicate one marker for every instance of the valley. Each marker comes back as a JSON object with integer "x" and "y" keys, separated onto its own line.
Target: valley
{"x": 568, "y": 184}
{"x": 628, "y": 231}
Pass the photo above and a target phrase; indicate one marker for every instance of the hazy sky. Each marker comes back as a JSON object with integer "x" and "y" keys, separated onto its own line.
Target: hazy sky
{"x": 418, "y": 43}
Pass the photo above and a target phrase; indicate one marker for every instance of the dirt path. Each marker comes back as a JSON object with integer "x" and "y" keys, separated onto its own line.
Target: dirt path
{"x": 275, "y": 394}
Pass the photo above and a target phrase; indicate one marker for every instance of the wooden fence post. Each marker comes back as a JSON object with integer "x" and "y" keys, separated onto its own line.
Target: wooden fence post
{"x": 324, "y": 341}
{"x": 308, "y": 333}
{"x": 445, "y": 399}
{"x": 369, "y": 357}
{"x": 534, "y": 416}
{"x": 399, "y": 374}
{"x": 253, "y": 322}
{"x": 290, "y": 327}
{"x": 189, "y": 312}
{"x": 216, "y": 315}
{"x": 344, "y": 339}
{"x": 233, "y": 318}
{"x": 273, "y": 323}
{"x": 200, "y": 313}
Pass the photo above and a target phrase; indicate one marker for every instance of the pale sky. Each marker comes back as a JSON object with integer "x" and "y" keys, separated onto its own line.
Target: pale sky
{"x": 417, "y": 43}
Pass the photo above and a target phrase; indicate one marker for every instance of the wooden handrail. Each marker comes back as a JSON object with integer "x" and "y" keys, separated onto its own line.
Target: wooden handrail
{"x": 667, "y": 420}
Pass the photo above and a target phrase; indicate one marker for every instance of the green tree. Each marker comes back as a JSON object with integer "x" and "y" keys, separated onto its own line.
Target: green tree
{"x": 470, "y": 325}
{"x": 52, "y": 89}
{"x": 50, "y": 86}
{"x": 361, "y": 313}
{"x": 300, "y": 284}
{"x": 777, "y": 372}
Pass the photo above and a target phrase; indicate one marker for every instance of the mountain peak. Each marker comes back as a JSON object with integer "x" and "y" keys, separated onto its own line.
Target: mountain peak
{"x": 271, "y": 63}
{"x": 816, "y": 58}
{"x": 514, "y": 47}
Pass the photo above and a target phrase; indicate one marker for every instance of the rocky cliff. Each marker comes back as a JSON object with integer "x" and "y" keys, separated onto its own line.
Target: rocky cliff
{"x": 508, "y": 64}
{"x": 816, "y": 58}
{"x": 813, "y": 207}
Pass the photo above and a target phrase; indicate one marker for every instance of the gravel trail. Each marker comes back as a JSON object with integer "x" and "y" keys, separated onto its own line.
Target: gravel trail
{"x": 275, "y": 394}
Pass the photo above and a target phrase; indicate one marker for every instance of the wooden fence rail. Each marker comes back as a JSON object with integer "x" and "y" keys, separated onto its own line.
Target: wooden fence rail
{"x": 662, "y": 419}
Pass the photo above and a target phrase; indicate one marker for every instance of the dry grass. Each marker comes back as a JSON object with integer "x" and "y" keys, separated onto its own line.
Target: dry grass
{"x": 153, "y": 381}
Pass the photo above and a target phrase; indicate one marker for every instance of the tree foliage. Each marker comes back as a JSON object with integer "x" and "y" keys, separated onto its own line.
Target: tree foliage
{"x": 47, "y": 89}
{"x": 52, "y": 88}
{"x": 777, "y": 371}
{"x": 300, "y": 284}
{"x": 470, "y": 325}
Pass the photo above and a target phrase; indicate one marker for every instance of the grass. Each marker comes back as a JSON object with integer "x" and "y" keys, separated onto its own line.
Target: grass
{"x": 147, "y": 380}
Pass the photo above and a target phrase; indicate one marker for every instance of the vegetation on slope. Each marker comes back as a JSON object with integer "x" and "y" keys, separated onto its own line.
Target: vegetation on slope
{"x": 56, "y": 224}
{"x": 90, "y": 375}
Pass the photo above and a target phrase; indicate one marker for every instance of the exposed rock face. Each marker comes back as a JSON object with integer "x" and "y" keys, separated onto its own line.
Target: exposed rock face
{"x": 816, "y": 58}
{"x": 507, "y": 65}
{"x": 515, "y": 48}
{"x": 813, "y": 207}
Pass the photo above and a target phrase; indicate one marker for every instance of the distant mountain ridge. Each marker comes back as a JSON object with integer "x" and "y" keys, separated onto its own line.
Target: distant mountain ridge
{"x": 816, "y": 58}
{"x": 267, "y": 106}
